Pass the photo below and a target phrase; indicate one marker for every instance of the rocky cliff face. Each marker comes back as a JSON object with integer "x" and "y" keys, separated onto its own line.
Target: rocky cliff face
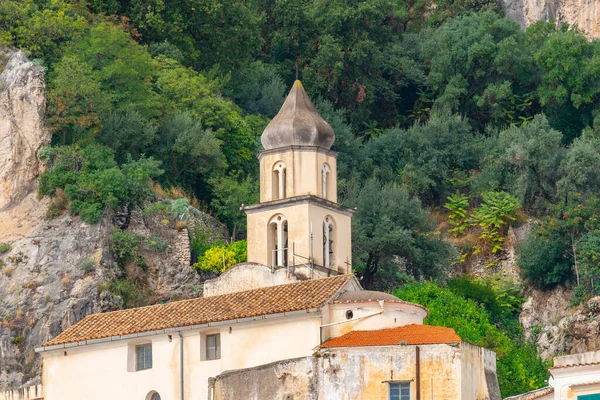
{"x": 22, "y": 131}
{"x": 58, "y": 271}
{"x": 557, "y": 328}
{"x": 585, "y": 14}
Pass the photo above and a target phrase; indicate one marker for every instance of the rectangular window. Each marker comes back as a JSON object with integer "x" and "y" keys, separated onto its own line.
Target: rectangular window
{"x": 213, "y": 347}
{"x": 400, "y": 391}
{"x": 143, "y": 357}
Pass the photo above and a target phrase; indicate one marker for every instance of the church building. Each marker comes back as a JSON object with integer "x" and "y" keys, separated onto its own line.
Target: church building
{"x": 291, "y": 323}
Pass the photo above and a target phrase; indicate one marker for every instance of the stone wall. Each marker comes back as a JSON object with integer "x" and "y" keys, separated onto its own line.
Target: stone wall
{"x": 23, "y": 393}
{"x": 247, "y": 276}
{"x": 363, "y": 373}
{"x": 181, "y": 248}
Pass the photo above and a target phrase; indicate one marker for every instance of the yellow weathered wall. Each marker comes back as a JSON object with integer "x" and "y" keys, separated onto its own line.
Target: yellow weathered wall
{"x": 349, "y": 374}
{"x": 258, "y": 227}
{"x": 299, "y": 217}
{"x": 343, "y": 242}
{"x": 303, "y": 172}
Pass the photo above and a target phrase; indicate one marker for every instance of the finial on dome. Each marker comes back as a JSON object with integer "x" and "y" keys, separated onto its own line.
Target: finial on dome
{"x": 297, "y": 123}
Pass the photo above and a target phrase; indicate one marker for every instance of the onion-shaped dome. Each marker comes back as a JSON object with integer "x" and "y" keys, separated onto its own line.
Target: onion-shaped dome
{"x": 297, "y": 124}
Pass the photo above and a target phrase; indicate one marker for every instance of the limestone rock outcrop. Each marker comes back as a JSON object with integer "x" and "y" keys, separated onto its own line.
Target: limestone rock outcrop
{"x": 585, "y": 14}
{"x": 556, "y": 327}
{"x": 55, "y": 272}
{"x": 22, "y": 130}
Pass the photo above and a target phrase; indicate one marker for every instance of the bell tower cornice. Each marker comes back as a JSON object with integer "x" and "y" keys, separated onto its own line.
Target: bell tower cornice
{"x": 293, "y": 201}
{"x": 321, "y": 150}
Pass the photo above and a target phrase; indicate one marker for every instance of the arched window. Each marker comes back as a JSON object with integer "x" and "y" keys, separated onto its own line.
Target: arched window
{"x": 325, "y": 172}
{"x": 279, "y": 181}
{"x": 278, "y": 241}
{"x": 153, "y": 396}
{"x": 328, "y": 242}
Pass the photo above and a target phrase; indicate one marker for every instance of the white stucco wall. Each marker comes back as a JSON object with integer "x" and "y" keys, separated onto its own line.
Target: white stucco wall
{"x": 571, "y": 382}
{"x": 368, "y": 316}
{"x": 100, "y": 371}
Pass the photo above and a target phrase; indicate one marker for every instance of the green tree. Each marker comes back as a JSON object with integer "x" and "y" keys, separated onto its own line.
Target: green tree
{"x": 519, "y": 367}
{"x": 230, "y": 192}
{"x": 397, "y": 228}
{"x": 579, "y": 169}
{"x": 569, "y": 67}
{"x": 588, "y": 258}
{"x": 128, "y": 134}
{"x": 103, "y": 70}
{"x": 549, "y": 255}
{"x": 481, "y": 67}
{"x": 182, "y": 88}
{"x": 189, "y": 150}
{"x": 93, "y": 182}
{"x": 258, "y": 89}
{"x": 425, "y": 156}
{"x": 41, "y": 27}
{"x": 533, "y": 151}
{"x": 208, "y": 32}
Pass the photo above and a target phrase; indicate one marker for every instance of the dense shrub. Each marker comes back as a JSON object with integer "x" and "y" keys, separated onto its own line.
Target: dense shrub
{"x": 519, "y": 367}
{"x": 544, "y": 258}
{"x": 92, "y": 181}
{"x": 125, "y": 245}
{"x": 218, "y": 259}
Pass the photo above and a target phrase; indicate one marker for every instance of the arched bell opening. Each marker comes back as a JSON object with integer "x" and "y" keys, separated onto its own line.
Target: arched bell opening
{"x": 278, "y": 241}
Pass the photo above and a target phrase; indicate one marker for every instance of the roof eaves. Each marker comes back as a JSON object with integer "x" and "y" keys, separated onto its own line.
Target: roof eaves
{"x": 178, "y": 329}
{"x": 534, "y": 394}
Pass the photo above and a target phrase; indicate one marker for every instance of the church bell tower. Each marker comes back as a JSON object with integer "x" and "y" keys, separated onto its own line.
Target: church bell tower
{"x": 298, "y": 221}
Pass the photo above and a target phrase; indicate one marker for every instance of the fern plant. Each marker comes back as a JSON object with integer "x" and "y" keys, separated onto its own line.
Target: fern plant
{"x": 494, "y": 215}
{"x": 457, "y": 205}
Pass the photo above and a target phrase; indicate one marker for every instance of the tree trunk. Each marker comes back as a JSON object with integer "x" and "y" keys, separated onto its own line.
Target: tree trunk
{"x": 574, "y": 250}
{"x": 370, "y": 271}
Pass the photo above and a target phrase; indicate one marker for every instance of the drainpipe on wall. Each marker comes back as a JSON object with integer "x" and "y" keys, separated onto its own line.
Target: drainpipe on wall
{"x": 418, "y": 367}
{"x": 181, "y": 365}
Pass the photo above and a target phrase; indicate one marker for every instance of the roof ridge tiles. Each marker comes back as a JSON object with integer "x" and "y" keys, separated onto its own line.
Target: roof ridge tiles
{"x": 279, "y": 299}
{"x": 411, "y": 334}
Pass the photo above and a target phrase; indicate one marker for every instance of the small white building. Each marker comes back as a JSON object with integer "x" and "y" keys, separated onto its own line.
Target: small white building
{"x": 291, "y": 323}
{"x": 573, "y": 377}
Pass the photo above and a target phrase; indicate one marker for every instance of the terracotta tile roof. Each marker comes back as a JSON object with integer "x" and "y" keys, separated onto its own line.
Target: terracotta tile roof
{"x": 588, "y": 383}
{"x": 407, "y": 334}
{"x": 534, "y": 394}
{"x": 300, "y": 296}
{"x": 582, "y": 364}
